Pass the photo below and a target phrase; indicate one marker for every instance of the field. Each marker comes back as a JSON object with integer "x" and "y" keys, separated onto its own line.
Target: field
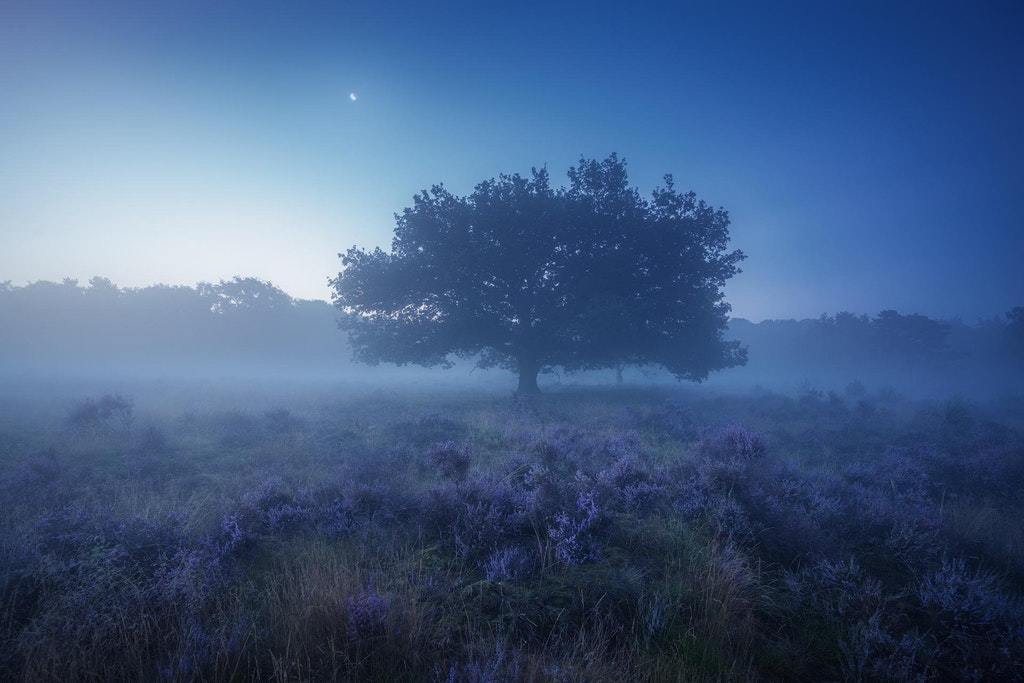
{"x": 597, "y": 534}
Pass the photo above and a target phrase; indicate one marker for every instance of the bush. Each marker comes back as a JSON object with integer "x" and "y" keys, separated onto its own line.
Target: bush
{"x": 110, "y": 411}
{"x": 732, "y": 443}
{"x": 451, "y": 460}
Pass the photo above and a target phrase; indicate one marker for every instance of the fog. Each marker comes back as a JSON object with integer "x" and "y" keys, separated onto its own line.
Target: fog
{"x": 99, "y": 336}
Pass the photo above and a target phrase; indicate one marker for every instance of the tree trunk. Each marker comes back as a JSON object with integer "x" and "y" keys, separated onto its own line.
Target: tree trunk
{"x": 528, "y": 378}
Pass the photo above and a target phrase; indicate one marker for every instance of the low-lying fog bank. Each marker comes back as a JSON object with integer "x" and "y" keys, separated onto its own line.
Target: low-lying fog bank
{"x": 247, "y": 329}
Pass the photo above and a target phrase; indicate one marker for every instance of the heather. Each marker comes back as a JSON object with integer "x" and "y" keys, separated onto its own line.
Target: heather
{"x": 655, "y": 534}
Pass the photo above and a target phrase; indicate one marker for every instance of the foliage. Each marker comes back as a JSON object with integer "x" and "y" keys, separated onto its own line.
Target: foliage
{"x": 600, "y": 536}
{"x": 64, "y": 329}
{"x": 529, "y": 277}
{"x": 106, "y": 412}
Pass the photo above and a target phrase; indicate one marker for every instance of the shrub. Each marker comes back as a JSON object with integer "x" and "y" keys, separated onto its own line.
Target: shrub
{"x": 487, "y": 515}
{"x": 573, "y": 532}
{"x": 152, "y": 441}
{"x": 237, "y": 430}
{"x": 451, "y": 460}
{"x": 110, "y": 411}
{"x": 732, "y": 442}
{"x": 280, "y": 421}
{"x": 980, "y": 630}
{"x": 855, "y": 390}
{"x": 630, "y": 486}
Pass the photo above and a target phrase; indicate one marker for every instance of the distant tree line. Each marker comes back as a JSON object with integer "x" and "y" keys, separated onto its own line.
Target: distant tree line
{"x": 249, "y": 326}
{"x": 243, "y": 324}
{"x": 902, "y": 350}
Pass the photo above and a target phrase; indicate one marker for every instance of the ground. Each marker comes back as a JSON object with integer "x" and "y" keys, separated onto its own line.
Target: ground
{"x": 183, "y": 533}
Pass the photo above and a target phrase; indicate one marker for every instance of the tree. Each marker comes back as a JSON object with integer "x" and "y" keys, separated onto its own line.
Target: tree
{"x": 530, "y": 277}
{"x": 244, "y": 294}
{"x": 912, "y": 338}
{"x": 239, "y": 325}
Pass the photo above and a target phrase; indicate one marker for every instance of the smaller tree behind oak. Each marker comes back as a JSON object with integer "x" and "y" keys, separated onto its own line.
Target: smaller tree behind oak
{"x": 529, "y": 277}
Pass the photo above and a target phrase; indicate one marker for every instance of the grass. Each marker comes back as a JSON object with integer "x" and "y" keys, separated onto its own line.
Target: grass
{"x": 629, "y": 534}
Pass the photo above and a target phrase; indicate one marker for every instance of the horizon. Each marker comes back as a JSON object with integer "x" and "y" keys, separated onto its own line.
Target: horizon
{"x": 83, "y": 283}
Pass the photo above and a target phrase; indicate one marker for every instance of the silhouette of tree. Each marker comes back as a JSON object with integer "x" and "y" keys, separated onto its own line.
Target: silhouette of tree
{"x": 244, "y": 294}
{"x": 529, "y": 277}
{"x": 912, "y": 338}
{"x": 240, "y": 325}
{"x": 103, "y": 284}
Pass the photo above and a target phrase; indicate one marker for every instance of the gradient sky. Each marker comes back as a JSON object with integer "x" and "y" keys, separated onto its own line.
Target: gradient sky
{"x": 871, "y": 154}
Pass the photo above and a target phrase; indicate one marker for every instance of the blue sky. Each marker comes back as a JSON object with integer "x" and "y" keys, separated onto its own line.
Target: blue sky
{"x": 871, "y": 154}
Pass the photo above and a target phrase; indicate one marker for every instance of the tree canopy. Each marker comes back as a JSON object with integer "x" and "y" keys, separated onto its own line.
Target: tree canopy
{"x": 529, "y": 277}
{"x": 240, "y": 326}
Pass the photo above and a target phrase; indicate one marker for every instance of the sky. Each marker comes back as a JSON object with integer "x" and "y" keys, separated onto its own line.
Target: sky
{"x": 871, "y": 154}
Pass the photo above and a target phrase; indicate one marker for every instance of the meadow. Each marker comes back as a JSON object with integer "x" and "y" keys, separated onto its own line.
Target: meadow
{"x": 583, "y": 535}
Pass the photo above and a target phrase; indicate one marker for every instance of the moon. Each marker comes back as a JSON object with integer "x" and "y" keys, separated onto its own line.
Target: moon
{"x": 352, "y": 96}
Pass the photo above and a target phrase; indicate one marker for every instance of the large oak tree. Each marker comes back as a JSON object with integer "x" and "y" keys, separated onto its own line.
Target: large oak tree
{"x": 526, "y": 276}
